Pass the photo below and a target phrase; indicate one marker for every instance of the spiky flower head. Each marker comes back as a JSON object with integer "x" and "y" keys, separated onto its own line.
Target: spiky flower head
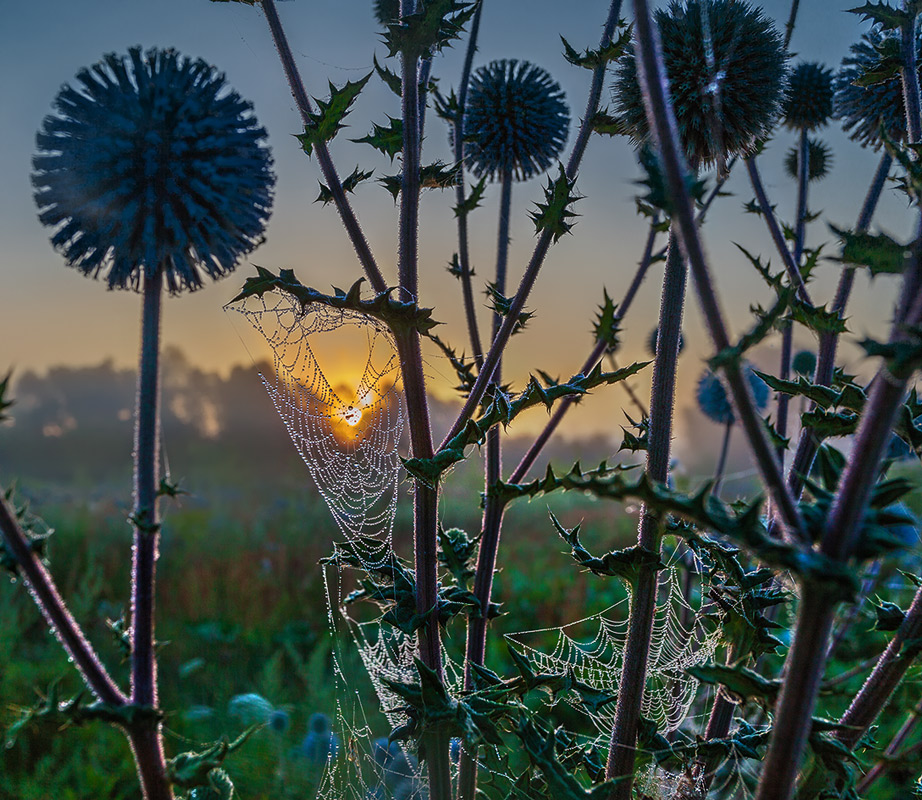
{"x": 808, "y": 97}
{"x": 714, "y": 402}
{"x": 804, "y": 363}
{"x": 863, "y": 110}
{"x": 516, "y": 120}
{"x": 250, "y": 708}
{"x": 820, "y": 160}
{"x": 725, "y": 61}
{"x": 386, "y": 11}
{"x": 152, "y": 165}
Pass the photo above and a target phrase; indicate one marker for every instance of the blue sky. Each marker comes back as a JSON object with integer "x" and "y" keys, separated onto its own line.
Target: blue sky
{"x": 50, "y": 314}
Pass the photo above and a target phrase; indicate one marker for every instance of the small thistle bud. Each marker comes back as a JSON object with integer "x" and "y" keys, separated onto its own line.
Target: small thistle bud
{"x": 320, "y": 744}
{"x": 863, "y": 110}
{"x": 652, "y": 339}
{"x": 808, "y": 97}
{"x": 250, "y": 709}
{"x": 820, "y": 156}
{"x": 715, "y": 403}
{"x": 727, "y": 96}
{"x": 804, "y": 363}
{"x": 152, "y": 165}
{"x": 516, "y": 120}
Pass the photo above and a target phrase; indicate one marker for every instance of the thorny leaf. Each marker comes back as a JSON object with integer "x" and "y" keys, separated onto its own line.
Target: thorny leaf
{"x": 472, "y": 200}
{"x": 349, "y": 183}
{"x": 194, "y": 769}
{"x": 606, "y": 326}
{"x": 387, "y": 139}
{"x": 397, "y": 315}
{"x": 554, "y": 215}
{"x": 434, "y": 26}
{"x": 880, "y": 253}
{"x": 592, "y": 59}
{"x": 323, "y": 124}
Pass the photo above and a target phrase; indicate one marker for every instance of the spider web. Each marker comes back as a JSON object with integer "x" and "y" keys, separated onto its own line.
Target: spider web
{"x": 594, "y": 649}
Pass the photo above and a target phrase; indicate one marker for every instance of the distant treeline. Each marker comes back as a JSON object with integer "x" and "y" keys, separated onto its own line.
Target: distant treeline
{"x": 73, "y": 426}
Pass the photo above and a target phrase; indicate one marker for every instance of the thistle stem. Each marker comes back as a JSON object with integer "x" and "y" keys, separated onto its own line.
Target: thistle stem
{"x": 330, "y": 175}
{"x": 722, "y": 460}
{"x": 54, "y": 610}
{"x": 787, "y": 335}
{"x": 808, "y": 444}
{"x": 643, "y": 598}
{"x": 881, "y": 767}
{"x": 464, "y": 259}
{"x": 662, "y": 122}
{"x": 542, "y": 246}
{"x": 145, "y": 738}
{"x": 592, "y": 359}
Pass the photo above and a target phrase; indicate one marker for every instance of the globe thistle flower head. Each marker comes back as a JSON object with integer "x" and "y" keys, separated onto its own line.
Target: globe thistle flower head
{"x": 250, "y": 708}
{"x": 279, "y": 721}
{"x": 864, "y": 110}
{"x": 804, "y": 363}
{"x": 320, "y": 744}
{"x": 808, "y": 97}
{"x": 516, "y": 120}
{"x": 152, "y": 165}
{"x": 725, "y": 61}
{"x": 820, "y": 160}
{"x": 714, "y": 401}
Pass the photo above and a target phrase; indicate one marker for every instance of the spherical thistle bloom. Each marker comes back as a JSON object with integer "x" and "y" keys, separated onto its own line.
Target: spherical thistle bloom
{"x": 820, "y": 160}
{"x": 279, "y": 721}
{"x": 152, "y": 165}
{"x": 320, "y": 743}
{"x": 654, "y": 336}
{"x": 725, "y": 61}
{"x": 863, "y": 110}
{"x": 804, "y": 363}
{"x": 515, "y": 122}
{"x": 808, "y": 97}
{"x": 715, "y": 403}
{"x": 250, "y": 708}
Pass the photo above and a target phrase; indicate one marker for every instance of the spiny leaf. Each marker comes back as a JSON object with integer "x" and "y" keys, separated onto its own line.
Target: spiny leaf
{"x": 741, "y": 682}
{"x": 882, "y": 14}
{"x": 191, "y": 769}
{"x": 502, "y": 305}
{"x": 431, "y": 176}
{"x": 606, "y": 327}
{"x": 473, "y": 199}
{"x": 880, "y": 253}
{"x": 387, "y": 139}
{"x": 603, "y": 122}
{"x": 903, "y": 357}
{"x": 391, "y": 79}
{"x": 591, "y": 59}
{"x": 4, "y": 403}
{"x": 323, "y": 124}
{"x": 397, "y": 315}
{"x": 349, "y": 183}
{"x": 434, "y": 26}
{"x": 553, "y": 215}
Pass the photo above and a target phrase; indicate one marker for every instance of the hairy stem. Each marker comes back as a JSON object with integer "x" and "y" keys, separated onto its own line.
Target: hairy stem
{"x": 881, "y": 767}
{"x": 464, "y": 259}
{"x": 662, "y": 123}
{"x": 56, "y": 613}
{"x": 722, "y": 460}
{"x": 808, "y": 444}
{"x": 492, "y": 523}
{"x": 592, "y": 359}
{"x": 146, "y": 739}
{"x": 330, "y": 175}
{"x": 787, "y": 335}
{"x": 542, "y": 246}
{"x": 643, "y": 597}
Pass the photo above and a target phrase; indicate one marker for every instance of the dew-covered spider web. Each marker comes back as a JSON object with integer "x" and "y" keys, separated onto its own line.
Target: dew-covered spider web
{"x": 346, "y": 424}
{"x": 346, "y": 427}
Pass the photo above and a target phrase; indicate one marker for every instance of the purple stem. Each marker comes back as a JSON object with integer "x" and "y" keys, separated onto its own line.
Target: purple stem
{"x": 662, "y": 122}
{"x": 464, "y": 260}
{"x": 543, "y": 245}
{"x": 881, "y": 767}
{"x": 302, "y": 101}
{"x": 643, "y": 596}
{"x": 145, "y": 737}
{"x": 60, "y": 621}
